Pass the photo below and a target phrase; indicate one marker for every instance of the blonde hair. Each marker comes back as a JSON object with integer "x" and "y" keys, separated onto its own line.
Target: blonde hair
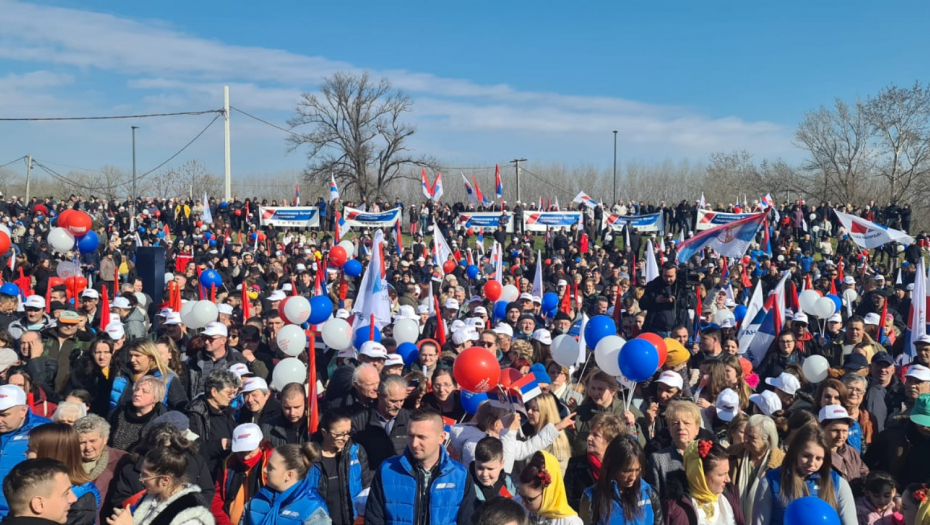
{"x": 549, "y": 413}
{"x": 523, "y": 349}
{"x": 680, "y": 407}
{"x": 148, "y": 349}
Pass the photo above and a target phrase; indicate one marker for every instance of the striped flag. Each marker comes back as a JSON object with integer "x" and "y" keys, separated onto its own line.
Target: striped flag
{"x": 398, "y": 240}
{"x": 342, "y": 227}
{"x": 497, "y": 182}
{"x": 297, "y": 195}
{"x": 333, "y": 189}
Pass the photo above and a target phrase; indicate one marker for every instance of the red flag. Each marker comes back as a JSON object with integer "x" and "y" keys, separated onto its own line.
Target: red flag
{"x": 440, "y": 329}
{"x": 881, "y": 322}
{"x": 245, "y": 303}
{"x": 617, "y": 307}
{"x": 791, "y": 297}
{"x": 566, "y": 306}
{"x": 833, "y": 286}
{"x": 213, "y": 293}
{"x": 575, "y": 295}
{"x": 839, "y": 271}
{"x": 104, "y": 308}
{"x": 48, "y": 298}
{"x": 633, "y": 270}
{"x": 293, "y": 287}
{"x": 313, "y": 416}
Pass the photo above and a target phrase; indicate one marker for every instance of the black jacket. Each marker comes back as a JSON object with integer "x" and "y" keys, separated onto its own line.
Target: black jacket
{"x": 213, "y": 426}
{"x": 13, "y": 520}
{"x": 279, "y": 431}
{"x": 83, "y": 511}
{"x": 662, "y": 317}
{"x": 343, "y": 459}
{"x": 368, "y": 432}
{"x": 578, "y": 477}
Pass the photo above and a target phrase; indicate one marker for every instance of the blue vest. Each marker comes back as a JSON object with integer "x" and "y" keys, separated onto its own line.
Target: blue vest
{"x": 13, "y": 447}
{"x": 855, "y": 437}
{"x": 778, "y": 508}
{"x": 355, "y": 475}
{"x": 121, "y": 382}
{"x": 616, "y": 512}
{"x": 399, "y": 482}
{"x": 291, "y": 507}
{"x": 85, "y": 489}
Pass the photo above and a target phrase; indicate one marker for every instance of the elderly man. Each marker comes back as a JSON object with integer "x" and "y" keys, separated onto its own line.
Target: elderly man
{"x": 35, "y": 319}
{"x": 16, "y": 421}
{"x": 59, "y": 343}
{"x": 214, "y": 356}
{"x": 855, "y": 334}
{"x": 212, "y": 418}
{"x": 258, "y": 405}
{"x": 99, "y": 460}
{"x": 382, "y": 429}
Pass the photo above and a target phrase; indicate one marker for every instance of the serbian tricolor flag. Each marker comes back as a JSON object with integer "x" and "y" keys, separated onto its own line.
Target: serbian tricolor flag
{"x": 499, "y": 188}
{"x": 526, "y": 387}
{"x": 469, "y": 190}
{"x": 427, "y": 189}
{"x": 333, "y": 189}
{"x": 297, "y": 195}
{"x": 342, "y": 227}
{"x": 398, "y": 240}
{"x": 870, "y": 235}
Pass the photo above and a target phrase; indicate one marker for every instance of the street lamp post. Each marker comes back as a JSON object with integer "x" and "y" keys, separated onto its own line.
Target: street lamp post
{"x": 133, "y": 197}
{"x": 615, "y": 168}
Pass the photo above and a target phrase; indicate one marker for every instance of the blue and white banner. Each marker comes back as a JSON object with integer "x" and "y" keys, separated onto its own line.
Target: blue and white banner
{"x": 355, "y": 218}
{"x": 540, "y": 221}
{"x": 707, "y": 219}
{"x": 485, "y": 220}
{"x": 290, "y": 216}
{"x": 644, "y": 223}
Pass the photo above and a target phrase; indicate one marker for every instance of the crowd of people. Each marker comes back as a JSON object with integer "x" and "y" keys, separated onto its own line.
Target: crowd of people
{"x": 113, "y": 411}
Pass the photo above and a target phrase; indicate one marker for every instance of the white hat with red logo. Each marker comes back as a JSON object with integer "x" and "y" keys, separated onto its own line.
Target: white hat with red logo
{"x": 246, "y": 437}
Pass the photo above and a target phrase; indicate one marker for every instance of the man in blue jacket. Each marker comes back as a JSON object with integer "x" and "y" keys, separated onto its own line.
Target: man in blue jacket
{"x": 16, "y": 420}
{"x": 422, "y": 486}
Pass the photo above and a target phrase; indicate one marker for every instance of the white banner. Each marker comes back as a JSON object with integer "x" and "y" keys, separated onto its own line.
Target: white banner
{"x": 355, "y": 218}
{"x": 290, "y": 216}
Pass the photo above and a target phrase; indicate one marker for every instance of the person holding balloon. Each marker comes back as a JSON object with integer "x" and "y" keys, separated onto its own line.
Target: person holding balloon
{"x": 806, "y": 471}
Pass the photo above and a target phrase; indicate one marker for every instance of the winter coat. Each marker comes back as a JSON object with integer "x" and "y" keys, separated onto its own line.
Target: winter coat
{"x": 185, "y": 507}
{"x": 578, "y": 478}
{"x": 649, "y": 503}
{"x": 368, "y": 432}
{"x": 175, "y": 397}
{"x": 355, "y": 476}
{"x": 134, "y": 324}
{"x": 213, "y": 426}
{"x": 126, "y": 427}
{"x": 195, "y": 376}
{"x": 13, "y": 448}
{"x": 276, "y": 431}
{"x": 84, "y": 510}
{"x": 768, "y": 508}
{"x": 104, "y": 471}
{"x": 903, "y": 452}
{"x": 298, "y": 505}
{"x": 128, "y": 471}
{"x": 237, "y": 477}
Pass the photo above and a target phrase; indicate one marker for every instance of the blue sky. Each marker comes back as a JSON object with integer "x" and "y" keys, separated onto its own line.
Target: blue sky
{"x": 491, "y": 81}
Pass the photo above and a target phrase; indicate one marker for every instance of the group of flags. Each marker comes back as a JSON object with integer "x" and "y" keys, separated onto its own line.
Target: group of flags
{"x": 432, "y": 192}
{"x": 474, "y": 191}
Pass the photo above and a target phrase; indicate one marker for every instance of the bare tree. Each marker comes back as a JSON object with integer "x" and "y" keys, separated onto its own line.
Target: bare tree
{"x": 357, "y": 134}
{"x": 899, "y": 119}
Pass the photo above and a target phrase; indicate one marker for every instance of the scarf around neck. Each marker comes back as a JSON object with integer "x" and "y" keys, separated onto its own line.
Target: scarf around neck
{"x": 595, "y": 466}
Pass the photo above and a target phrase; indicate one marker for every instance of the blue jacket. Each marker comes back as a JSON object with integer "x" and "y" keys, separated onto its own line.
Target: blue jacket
{"x": 778, "y": 508}
{"x": 13, "y": 447}
{"x": 350, "y": 467}
{"x": 646, "y": 494}
{"x": 121, "y": 383}
{"x": 395, "y": 495}
{"x": 298, "y": 505}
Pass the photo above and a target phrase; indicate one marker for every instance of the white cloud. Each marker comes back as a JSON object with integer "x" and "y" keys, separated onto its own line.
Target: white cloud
{"x": 166, "y": 69}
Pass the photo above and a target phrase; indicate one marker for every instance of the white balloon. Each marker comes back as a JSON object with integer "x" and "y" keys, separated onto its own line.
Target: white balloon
{"x": 816, "y": 229}
{"x": 807, "y": 299}
{"x": 813, "y": 216}
{"x": 406, "y": 331}
{"x": 815, "y": 368}
{"x": 607, "y": 352}
{"x": 296, "y": 309}
{"x": 509, "y": 293}
{"x": 349, "y": 248}
{"x": 824, "y": 307}
{"x": 564, "y": 350}
{"x": 186, "y": 314}
{"x": 68, "y": 269}
{"x": 900, "y": 248}
{"x": 287, "y": 371}
{"x": 850, "y": 295}
{"x": 204, "y": 313}
{"x": 781, "y": 258}
{"x": 292, "y": 340}
{"x": 337, "y": 334}
{"x": 6, "y": 230}
{"x": 61, "y": 240}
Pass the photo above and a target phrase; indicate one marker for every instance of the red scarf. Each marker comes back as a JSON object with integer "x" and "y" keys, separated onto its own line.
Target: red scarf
{"x": 595, "y": 466}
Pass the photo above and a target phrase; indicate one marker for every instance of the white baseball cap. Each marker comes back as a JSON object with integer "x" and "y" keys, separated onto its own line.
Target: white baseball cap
{"x": 672, "y": 379}
{"x": 90, "y": 292}
{"x": 562, "y": 282}
{"x": 849, "y": 279}
{"x": 923, "y": 340}
{"x": 240, "y": 369}
{"x": 250, "y": 384}
{"x": 833, "y": 412}
{"x": 373, "y": 349}
{"x": 835, "y": 318}
{"x": 277, "y": 295}
{"x": 459, "y": 337}
{"x": 342, "y": 313}
{"x": 872, "y": 319}
{"x": 918, "y": 372}
{"x": 543, "y": 336}
{"x": 480, "y": 310}
{"x": 286, "y": 287}
{"x": 172, "y": 318}
{"x": 394, "y": 360}
{"x": 224, "y": 309}
{"x": 451, "y": 304}
{"x": 422, "y": 309}
{"x": 121, "y": 303}
{"x": 34, "y": 301}
{"x": 11, "y": 396}
{"x": 785, "y": 382}
{"x": 504, "y": 329}
{"x": 115, "y": 330}
{"x": 729, "y": 322}
{"x": 767, "y": 401}
{"x": 169, "y": 277}
{"x": 216, "y": 328}
{"x": 526, "y": 297}
{"x": 727, "y": 404}
{"x": 801, "y": 317}
{"x": 456, "y": 325}
{"x": 8, "y": 358}
{"x": 246, "y": 437}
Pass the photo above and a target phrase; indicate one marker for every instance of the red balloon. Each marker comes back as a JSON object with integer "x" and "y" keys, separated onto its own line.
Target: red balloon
{"x": 492, "y": 290}
{"x": 470, "y": 232}
{"x": 40, "y": 209}
{"x": 448, "y": 266}
{"x": 4, "y": 242}
{"x": 476, "y": 370}
{"x": 747, "y": 259}
{"x": 78, "y": 223}
{"x": 238, "y": 213}
{"x": 199, "y": 224}
{"x": 337, "y": 256}
{"x": 55, "y": 281}
{"x": 157, "y": 213}
{"x": 509, "y": 376}
{"x": 63, "y": 218}
{"x": 659, "y": 343}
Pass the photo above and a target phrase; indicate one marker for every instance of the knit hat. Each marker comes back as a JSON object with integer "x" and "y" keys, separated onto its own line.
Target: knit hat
{"x": 677, "y": 354}
{"x": 539, "y": 371}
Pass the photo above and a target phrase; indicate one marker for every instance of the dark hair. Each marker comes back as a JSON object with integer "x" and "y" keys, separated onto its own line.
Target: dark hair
{"x": 716, "y": 453}
{"x": 427, "y": 414}
{"x": 83, "y": 395}
{"x": 878, "y": 480}
{"x": 167, "y": 461}
{"x": 669, "y": 265}
{"x": 489, "y": 449}
{"x": 293, "y": 389}
{"x": 835, "y": 384}
{"x": 534, "y": 473}
{"x": 712, "y": 332}
{"x": 299, "y": 458}
{"x": 28, "y": 478}
{"x": 620, "y": 455}
{"x": 499, "y": 510}
{"x": 331, "y": 417}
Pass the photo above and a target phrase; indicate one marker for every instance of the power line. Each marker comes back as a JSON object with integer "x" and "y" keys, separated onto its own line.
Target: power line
{"x": 182, "y": 149}
{"x": 114, "y": 117}
{"x": 72, "y": 167}
{"x": 275, "y": 126}
{"x": 545, "y": 181}
{"x": 12, "y": 161}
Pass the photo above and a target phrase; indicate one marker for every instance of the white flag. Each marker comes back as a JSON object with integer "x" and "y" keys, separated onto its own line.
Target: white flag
{"x": 582, "y": 351}
{"x": 652, "y": 269}
{"x": 869, "y": 234}
{"x": 703, "y": 202}
{"x": 917, "y": 323}
{"x": 537, "y": 280}
{"x": 373, "y": 298}
{"x": 207, "y": 217}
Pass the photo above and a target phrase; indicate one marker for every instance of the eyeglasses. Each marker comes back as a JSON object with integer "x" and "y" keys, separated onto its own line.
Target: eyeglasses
{"x": 148, "y": 478}
{"x": 343, "y": 435}
{"x": 488, "y": 344}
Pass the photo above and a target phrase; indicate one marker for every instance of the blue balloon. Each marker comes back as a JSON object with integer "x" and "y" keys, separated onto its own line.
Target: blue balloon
{"x": 550, "y": 300}
{"x": 409, "y": 353}
{"x": 638, "y": 360}
{"x": 9, "y": 289}
{"x": 550, "y": 314}
{"x": 598, "y": 327}
{"x": 89, "y": 242}
{"x": 810, "y": 510}
{"x": 471, "y": 400}
{"x": 352, "y": 268}
{"x": 321, "y": 309}
{"x": 207, "y": 235}
{"x": 141, "y": 229}
{"x": 739, "y": 312}
{"x": 500, "y": 309}
{"x": 212, "y": 242}
{"x": 210, "y": 278}
{"x": 837, "y": 301}
{"x": 463, "y": 262}
{"x": 471, "y": 271}
{"x": 223, "y": 204}
{"x": 363, "y": 334}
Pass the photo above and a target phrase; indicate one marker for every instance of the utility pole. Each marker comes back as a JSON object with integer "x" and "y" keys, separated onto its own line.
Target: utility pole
{"x": 516, "y": 163}
{"x": 132, "y": 200}
{"x": 615, "y": 169}
{"x": 28, "y": 176}
{"x": 226, "y": 127}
